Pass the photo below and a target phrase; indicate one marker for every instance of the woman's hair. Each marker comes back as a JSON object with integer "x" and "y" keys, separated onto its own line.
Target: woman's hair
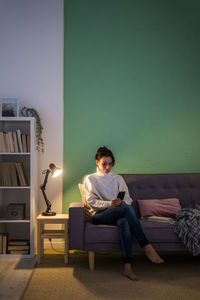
{"x": 104, "y": 151}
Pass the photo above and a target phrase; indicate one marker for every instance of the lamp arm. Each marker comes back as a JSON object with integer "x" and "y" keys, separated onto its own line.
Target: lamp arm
{"x": 48, "y": 203}
{"x": 43, "y": 187}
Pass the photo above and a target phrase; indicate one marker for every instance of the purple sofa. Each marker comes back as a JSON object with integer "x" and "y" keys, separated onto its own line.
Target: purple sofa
{"x": 89, "y": 237}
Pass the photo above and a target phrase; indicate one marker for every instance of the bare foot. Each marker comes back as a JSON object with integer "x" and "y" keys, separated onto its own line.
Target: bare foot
{"x": 153, "y": 255}
{"x": 128, "y": 272}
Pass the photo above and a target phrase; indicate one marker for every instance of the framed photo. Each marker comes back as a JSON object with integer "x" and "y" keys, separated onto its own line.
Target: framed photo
{"x": 9, "y": 107}
{"x": 15, "y": 211}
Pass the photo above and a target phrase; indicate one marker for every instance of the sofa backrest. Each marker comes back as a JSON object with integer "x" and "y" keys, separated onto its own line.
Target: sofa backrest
{"x": 186, "y": 187}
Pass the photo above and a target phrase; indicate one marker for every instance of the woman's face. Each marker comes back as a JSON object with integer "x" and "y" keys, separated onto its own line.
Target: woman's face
{"x": 105, "y": 164}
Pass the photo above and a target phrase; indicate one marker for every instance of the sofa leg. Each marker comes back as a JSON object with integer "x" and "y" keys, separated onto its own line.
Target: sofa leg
{"x": 91, "y": 260}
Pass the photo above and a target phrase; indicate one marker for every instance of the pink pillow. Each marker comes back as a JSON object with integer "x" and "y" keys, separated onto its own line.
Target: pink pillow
{"x": 159, "y": 207}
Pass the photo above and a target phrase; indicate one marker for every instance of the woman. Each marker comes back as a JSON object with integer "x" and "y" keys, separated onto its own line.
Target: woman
{"x": 101, "y": 190}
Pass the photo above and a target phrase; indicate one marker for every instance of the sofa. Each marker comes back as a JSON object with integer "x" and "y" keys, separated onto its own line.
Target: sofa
{"x": 84, "y": 235}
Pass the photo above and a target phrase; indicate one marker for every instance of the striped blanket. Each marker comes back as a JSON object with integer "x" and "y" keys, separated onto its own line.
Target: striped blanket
{"x": 187, "y": 226}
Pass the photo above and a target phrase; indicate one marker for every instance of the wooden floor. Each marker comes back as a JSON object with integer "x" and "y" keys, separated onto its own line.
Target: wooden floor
{"x": 14, "y": 276}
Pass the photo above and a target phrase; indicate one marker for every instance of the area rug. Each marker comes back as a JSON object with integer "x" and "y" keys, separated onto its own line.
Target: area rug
{"x": 14, "y": 276}
{"x": 177, "y": 279}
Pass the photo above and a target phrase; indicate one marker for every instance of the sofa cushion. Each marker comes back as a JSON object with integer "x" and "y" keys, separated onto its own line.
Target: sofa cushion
{"x": 81, "y": 189}
{"x": 101, "y": 233}
{"x": 87, "y": 207}
{"x": 159, "y": 232}
{"x": 159, "y": 207}
{"x": 156, "y": 232}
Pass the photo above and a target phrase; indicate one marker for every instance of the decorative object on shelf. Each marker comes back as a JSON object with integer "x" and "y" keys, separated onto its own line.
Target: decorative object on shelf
{"x": 16, "y": 211}
{"x": 32, "y": 112}
{"x": 54, "y": 172}
{"x": 9, "y": 107}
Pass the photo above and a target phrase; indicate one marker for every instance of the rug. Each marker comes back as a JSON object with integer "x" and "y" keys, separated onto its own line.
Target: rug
{"x": 177, "y": 279}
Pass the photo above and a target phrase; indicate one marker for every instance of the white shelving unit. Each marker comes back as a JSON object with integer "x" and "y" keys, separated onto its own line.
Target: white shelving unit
{"x": 20, "y": 229}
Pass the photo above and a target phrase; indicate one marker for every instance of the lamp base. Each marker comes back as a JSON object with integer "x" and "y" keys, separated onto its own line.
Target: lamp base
{"x": 49, "y": 213}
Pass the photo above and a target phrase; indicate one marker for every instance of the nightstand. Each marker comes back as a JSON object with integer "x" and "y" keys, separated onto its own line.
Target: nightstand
{"x": 43, "y": 233}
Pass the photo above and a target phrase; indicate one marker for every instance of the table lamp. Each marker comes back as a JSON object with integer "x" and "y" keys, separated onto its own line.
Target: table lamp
{"x": 54, "y": 172}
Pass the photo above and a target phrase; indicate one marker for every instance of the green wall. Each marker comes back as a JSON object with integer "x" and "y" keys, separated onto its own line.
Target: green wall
{"x": 131, "y": 82}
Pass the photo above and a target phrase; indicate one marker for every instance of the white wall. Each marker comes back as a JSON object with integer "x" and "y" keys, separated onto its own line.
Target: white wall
{"x": 31, "y": 69}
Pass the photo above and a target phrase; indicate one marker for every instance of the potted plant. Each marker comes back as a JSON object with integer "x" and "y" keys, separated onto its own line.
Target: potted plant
{"x": 32, "y": 112}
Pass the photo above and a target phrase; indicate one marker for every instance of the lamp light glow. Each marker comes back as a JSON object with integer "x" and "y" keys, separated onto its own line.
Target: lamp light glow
{"x": 57, "y": 173}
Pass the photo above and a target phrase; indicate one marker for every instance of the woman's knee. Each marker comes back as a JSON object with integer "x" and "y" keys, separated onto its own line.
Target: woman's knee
{"x": 129, "y": 209}
{"x": 122, "y": 222}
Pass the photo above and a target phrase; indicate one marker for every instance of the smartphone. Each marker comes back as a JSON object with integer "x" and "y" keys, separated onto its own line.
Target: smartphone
{"x": 121, "y": 195}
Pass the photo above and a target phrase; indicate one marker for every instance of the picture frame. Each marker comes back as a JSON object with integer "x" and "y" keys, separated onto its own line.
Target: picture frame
{"x": 15, "y": 211}
{"x": 9, "y": 107}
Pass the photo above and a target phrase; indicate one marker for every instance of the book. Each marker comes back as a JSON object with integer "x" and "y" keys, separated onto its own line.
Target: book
{"x": 18, "y": 243}
{"x": 20, "y": 173}
{"x": 28, "y": 143}
{"x": 24, "y": 146}
{"x": 13, "y": 174}
{"x": 18, "y": 252}
{"x": 2, "y": 144}
{"x": 1, "y": 243}
{"x": 18, "y": 131}
{"x": 18, "y": 247}
{"x": 5, "y": 241}
{"x": 1, "y": 176}
{"x": 5, "y": 177}
{"x": 7, "y": 174}
{"x": 15, "y": 141}
{"x": 6, "y": 142}
{"x": 10, "y": 138}
{"x": 160, "y": 219}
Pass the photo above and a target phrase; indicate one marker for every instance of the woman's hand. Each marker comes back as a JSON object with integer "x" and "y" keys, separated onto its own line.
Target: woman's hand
{"x": 117, "y": 202}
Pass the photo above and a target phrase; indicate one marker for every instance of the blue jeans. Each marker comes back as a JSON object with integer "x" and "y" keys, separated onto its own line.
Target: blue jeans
{"x": 123, "y": 216}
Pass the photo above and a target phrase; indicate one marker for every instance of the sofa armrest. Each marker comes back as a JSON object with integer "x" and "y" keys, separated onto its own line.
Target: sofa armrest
{"x": 76, "y": 225}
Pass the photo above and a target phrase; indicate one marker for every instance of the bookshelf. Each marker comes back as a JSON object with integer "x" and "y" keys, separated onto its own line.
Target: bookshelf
{"x": 17, "y": 197}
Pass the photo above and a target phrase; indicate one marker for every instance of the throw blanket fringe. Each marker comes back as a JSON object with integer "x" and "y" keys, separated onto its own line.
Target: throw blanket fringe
{"x": 187, "y": 226}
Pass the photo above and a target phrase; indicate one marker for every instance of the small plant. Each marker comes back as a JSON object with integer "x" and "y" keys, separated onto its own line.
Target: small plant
{"x": 32, "y": 112}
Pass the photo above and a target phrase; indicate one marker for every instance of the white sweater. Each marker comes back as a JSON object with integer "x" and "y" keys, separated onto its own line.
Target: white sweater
{"x": 101, "y": 188}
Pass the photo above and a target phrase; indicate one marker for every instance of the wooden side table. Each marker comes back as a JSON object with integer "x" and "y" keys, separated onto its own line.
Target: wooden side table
{"x": 43, "y": 233}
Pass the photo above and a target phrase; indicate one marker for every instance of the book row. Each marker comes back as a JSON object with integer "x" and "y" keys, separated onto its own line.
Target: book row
{"x": 12, "y": 174}
{"x": 13, "y": 246}
{"x": 14, "y": 141}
